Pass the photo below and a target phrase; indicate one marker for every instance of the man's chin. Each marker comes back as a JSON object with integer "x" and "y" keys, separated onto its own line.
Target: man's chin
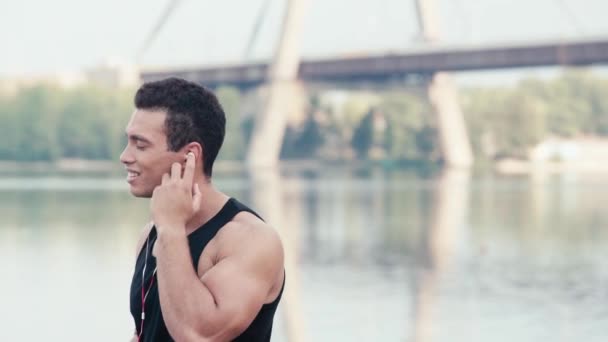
{"x": 140, "y": 193}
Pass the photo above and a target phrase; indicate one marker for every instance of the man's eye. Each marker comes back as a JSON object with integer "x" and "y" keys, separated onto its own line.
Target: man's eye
{"x": 139, "y": 147}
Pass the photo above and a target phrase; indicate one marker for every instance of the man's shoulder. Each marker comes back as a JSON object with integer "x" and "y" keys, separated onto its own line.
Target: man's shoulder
{"x": 248, "y": 224}
{"x": 246, "y": 230}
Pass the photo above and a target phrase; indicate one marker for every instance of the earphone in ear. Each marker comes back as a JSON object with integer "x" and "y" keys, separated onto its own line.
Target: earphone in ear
{"x": 186, "y": 156}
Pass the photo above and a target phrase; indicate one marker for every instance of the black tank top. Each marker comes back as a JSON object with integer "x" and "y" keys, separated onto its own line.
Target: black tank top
{"x": 154, "y": 325}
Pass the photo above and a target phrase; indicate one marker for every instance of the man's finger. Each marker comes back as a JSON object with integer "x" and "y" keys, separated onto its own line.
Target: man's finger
{"x": 189, "y": 171}
{"x": 165, "y": 178}
{"x": 176, "y": 171}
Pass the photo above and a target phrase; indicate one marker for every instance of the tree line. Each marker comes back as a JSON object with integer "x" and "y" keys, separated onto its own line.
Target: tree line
{"x": 48, "y": 123}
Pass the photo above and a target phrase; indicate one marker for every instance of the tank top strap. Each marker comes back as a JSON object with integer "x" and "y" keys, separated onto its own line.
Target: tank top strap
{"x": 199, "y": 239}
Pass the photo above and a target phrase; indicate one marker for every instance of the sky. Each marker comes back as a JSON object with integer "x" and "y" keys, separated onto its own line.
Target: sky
{"x": 41, "y": 37}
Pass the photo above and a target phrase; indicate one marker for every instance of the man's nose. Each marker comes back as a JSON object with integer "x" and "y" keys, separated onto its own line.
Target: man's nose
{"x": 126, "y": 157}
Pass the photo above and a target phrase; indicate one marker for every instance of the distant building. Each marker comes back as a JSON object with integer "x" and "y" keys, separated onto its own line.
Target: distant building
{"x": 114, "y": 73}
{"x": 111, "y": 73}
{"x": 586, "y": 150}
{"x": 561, "y": 155}
{"x": 66, "y": 80}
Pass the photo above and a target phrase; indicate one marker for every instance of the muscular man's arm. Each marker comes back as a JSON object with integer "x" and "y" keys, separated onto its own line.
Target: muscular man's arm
{"x": 224, "y": 301}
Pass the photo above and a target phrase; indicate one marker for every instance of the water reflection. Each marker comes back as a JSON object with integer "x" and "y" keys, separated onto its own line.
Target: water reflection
{"x": 371, "y": 255}
{"x": 65, "y": 257}
{"x": 447, "y": 220}
{"x": 268, "y": 197}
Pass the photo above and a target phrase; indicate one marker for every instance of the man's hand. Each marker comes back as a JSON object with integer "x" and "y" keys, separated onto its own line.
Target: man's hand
{"x": 177, "y": 198}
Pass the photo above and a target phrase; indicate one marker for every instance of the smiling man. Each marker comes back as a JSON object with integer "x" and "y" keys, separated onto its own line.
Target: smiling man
{"x": 208, "y": 268}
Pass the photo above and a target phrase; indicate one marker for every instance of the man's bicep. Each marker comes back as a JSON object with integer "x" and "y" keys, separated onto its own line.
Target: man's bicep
{"x": 237, "y": 285}
{"x": 240, "y": 283}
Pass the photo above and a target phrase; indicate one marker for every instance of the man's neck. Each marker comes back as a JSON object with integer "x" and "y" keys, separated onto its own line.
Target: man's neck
{"x": 212, "y": 202}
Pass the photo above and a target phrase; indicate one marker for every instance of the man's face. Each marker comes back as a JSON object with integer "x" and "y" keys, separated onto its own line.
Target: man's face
{"x": 146, "y": 156}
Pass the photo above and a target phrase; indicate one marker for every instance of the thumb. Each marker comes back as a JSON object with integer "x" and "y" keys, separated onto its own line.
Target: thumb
{"x": 196, "y": 197}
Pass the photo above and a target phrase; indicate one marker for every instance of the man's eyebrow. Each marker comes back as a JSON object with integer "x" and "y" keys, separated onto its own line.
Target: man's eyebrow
{"x": 137, "y": 138}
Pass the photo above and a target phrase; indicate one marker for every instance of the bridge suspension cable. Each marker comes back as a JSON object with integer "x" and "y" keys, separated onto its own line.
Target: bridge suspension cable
{"x": 162, "y": 20}
{"x": 573, "y": 19}
{"x": 261, "y": 16}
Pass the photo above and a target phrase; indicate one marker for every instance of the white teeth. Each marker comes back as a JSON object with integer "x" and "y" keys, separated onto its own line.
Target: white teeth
{"x": 132, "y": 175}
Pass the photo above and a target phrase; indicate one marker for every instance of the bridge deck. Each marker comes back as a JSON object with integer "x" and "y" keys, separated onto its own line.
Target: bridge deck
{"x": 421, "y": 62}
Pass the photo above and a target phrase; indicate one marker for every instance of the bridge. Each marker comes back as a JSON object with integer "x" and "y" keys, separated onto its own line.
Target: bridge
{"x": 286, "y": 73}
{"x": 419, "y": 62}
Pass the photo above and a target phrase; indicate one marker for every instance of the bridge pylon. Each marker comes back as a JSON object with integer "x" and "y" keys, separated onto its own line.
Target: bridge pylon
{"x": 284, "y": 91}
{"x": 443, "y": 95}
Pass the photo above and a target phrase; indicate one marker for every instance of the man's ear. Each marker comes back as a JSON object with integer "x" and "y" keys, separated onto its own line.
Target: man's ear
{"x": 195, "y": 148}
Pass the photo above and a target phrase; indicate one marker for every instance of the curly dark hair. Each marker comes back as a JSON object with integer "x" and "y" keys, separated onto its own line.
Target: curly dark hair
{"x": 193, "y": 114}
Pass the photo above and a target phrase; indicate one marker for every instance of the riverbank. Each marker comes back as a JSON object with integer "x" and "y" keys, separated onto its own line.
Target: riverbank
{"x": 522, "y": 167}
{"x": 503, "y": 166}
{"x": 109, "y": 166}
{"x": 63, "y": 165}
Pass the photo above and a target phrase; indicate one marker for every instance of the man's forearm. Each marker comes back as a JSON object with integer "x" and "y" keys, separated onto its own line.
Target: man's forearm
{"x": 183, "y": 297}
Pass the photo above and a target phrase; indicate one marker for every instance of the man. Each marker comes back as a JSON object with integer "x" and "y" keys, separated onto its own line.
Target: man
{"x": 208, "y": 268}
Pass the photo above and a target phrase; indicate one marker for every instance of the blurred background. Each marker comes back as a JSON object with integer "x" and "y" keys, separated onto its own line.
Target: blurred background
{"x": 436, "y": 169}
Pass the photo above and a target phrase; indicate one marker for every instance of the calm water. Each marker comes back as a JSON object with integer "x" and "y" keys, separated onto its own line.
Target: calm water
{"x": 370, "y": 256}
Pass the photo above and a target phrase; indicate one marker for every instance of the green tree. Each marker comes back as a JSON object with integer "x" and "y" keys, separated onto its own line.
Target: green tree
{"x": 234, "y": 143}
{"x": 92, "y": 122}
{"x": 8, "y": 129}
{"x": 363, "y": 135}
{"x": 36, "y": 110}
{"x": 304, "y": 142}
{"x": 410, "y": 127}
